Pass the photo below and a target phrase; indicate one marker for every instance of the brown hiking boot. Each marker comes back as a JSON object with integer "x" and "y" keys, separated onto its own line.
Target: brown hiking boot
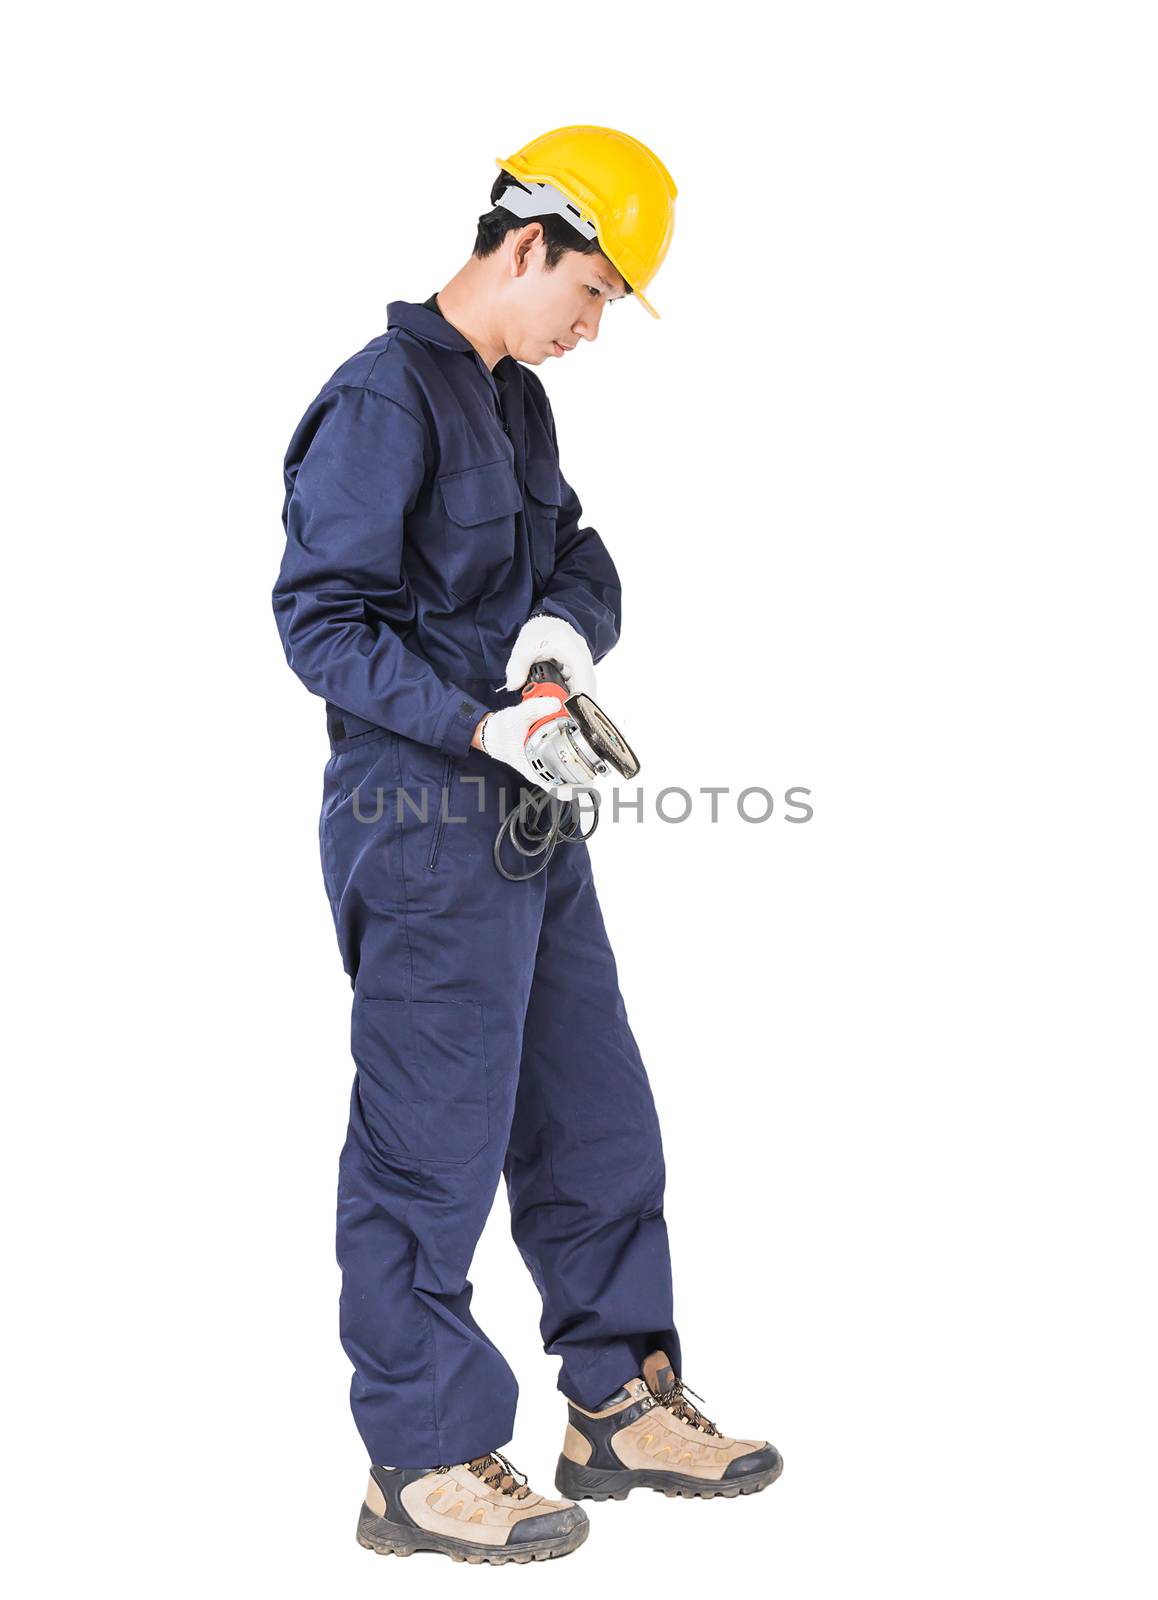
{"x": 648, "y": 1435}
{"x": 481, "y": 1510}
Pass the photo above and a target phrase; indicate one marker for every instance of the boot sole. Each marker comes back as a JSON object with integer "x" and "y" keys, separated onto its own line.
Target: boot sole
{"x": 394, "y": 1538}
{"x": 590, "y": 1483}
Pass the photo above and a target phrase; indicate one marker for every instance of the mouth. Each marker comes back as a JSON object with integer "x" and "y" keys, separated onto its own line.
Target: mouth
{"x": 561, "y": 349}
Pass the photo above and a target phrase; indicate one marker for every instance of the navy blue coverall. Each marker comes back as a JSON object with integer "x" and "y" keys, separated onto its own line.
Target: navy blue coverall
{"x": 426, "y": 518}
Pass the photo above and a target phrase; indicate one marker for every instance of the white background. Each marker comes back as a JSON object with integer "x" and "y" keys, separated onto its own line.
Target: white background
{"x": 880, "y": 485}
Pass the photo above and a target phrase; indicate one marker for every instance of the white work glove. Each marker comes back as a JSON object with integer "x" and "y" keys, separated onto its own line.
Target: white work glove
{"x": 552, "y": 639}
{"x": 503, "y": 734}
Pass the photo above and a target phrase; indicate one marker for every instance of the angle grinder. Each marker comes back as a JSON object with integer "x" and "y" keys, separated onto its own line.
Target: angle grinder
{"x": 576, "y": 743}
{"x": 573, "y": 743}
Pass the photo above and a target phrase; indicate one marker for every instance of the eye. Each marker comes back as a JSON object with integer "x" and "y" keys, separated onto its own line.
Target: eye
{"x": 595, "y": 292}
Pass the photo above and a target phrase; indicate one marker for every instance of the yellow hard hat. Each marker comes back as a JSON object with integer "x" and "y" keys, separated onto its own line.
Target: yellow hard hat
{"x": 622, "y": 188}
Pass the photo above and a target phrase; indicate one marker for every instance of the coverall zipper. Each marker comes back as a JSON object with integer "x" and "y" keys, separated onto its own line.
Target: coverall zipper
{"x": 443, "y": 804}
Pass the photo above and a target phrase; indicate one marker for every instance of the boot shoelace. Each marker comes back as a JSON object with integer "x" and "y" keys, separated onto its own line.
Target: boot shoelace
{"x": 497, "y": 1473}
{"x": 677, "y": 1403}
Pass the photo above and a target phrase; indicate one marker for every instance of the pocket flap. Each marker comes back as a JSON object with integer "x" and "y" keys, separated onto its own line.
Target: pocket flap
{"x": 543, "y": 481}
{"x": 480, "y": 494}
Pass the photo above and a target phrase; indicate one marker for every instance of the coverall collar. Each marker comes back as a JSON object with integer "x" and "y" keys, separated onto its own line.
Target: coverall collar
{"x": 426, "y": 324}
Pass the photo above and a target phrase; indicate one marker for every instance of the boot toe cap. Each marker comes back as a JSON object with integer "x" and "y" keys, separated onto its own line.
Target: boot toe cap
{"x": 765, "y": 1459}
{"x": 552, "y": 1525}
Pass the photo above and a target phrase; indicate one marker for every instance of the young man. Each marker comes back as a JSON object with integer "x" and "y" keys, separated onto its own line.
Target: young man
{"x": 434, "y": 553}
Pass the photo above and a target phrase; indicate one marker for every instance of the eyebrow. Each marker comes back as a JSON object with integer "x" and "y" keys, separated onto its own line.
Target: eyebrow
{"x": 610, "y": 287}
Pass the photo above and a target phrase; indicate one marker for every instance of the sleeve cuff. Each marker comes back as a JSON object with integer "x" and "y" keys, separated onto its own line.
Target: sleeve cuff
{"x": 461, "y": 719}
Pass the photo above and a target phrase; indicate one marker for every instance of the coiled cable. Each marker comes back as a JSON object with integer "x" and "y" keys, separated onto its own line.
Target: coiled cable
{"x": 535, "y": 840}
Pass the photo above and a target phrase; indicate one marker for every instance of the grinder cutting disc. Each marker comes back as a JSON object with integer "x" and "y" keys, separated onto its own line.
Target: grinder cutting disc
{"x": 604, "y": 738}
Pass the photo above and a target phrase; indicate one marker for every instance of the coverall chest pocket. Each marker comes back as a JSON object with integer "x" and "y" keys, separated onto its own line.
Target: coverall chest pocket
{"x": 544, "y": 496}
{"x": 480, "y": 505}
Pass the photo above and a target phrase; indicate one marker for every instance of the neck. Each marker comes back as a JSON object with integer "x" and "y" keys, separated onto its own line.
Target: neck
{"x": 467, "y": 303}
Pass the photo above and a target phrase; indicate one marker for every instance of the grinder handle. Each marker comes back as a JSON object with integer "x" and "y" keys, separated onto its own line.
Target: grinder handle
{"x": 544, "y": 678}
{"x": 547, "y": 671}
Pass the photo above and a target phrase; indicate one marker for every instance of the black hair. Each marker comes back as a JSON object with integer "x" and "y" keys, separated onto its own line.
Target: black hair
{"x": 558, "y": 236}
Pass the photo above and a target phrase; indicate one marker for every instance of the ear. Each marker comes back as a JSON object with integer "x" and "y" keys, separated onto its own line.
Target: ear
{"x": 525, "y": 242}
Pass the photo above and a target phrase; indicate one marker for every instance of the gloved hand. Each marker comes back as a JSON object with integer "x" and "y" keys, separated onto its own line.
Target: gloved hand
{"x": 552, "y": 639}
{"x": 503, "y": 734}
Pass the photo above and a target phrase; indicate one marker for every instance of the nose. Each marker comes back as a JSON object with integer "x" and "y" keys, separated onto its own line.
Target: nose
{"x": 587, "y": 325}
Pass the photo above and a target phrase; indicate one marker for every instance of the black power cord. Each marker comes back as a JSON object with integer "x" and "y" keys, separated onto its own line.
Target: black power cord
{"x": 535, "y": 840}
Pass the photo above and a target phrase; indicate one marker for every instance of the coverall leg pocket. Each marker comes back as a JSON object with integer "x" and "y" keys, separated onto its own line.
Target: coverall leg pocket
{"x": 422, "y": 1077}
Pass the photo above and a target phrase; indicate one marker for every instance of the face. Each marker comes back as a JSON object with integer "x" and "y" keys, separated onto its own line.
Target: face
{"x": 551, "y": 309}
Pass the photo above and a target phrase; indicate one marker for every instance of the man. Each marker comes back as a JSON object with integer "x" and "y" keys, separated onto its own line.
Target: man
{"x": 434, "y": 553}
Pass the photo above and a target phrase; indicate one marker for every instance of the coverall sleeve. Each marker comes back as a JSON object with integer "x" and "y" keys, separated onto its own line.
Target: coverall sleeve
{"x": 584, "y": 589}
{"x": 342, "y": 593}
